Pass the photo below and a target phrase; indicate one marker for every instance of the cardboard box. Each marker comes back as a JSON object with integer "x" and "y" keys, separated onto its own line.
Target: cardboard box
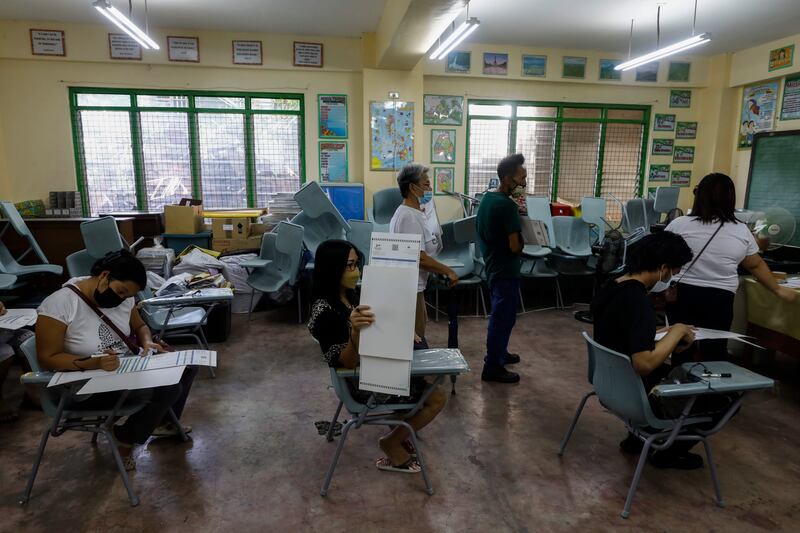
{"x": 230, "y": 228}
{"x": 183, "y": 219}
{"x": 231, "y": 245}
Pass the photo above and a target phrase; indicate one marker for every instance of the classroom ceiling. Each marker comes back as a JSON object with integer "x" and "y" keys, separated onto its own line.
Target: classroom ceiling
{"x": 573, "y": 24}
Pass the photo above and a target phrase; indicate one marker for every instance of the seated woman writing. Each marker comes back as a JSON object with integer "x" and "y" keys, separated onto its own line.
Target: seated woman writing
{"x": 336, "y": 322}
{"x": 97, "y": 314}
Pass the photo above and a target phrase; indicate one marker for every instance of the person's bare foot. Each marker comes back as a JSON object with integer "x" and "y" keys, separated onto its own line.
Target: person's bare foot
{"x": 395, "y": 452}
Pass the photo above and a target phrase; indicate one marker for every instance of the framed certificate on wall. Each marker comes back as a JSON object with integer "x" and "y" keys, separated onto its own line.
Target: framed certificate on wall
{"x": 186, "y": 49}
{"x": 307, "y": 54}
{"x": 121, "y": 46}
{"x": 247, "y": 53}
{"x": 48, "y": 43}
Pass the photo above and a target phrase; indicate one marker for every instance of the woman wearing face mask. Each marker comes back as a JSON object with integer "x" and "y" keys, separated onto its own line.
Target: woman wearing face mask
{"x": 69, "y": 331}
{"x": 415, "y": 187}
{"x": 336, "y": 322}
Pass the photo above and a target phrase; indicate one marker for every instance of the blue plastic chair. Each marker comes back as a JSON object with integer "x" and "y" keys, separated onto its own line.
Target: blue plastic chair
{"x": 384, "y": 203}
{"x": 374, "y": 414}
{"x": 621, "y": 391}
{"x": 63, "y": 407}
{"x": 80, "y": 264}
{"x": 459, "y": 238}
{"x": 639, "y": 213}
{"x": 10, "y": 264}
{"x": 593, "y": 212}
{"x": 360, "y": 235}
{"x": 665, "y": 200}
{"x": 539, "y": 209}
{"x": 320, "y": 219}
{"x": 278, "y": 263}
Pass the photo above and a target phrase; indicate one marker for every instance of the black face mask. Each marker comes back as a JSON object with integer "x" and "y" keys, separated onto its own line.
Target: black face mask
{"x": 107, "y": 299}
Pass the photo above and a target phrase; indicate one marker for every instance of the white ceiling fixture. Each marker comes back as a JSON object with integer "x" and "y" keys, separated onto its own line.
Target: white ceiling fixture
{"x": 456, "y": 37}
{"x": 125, "y": 24}
{"x": 686, "y": 44}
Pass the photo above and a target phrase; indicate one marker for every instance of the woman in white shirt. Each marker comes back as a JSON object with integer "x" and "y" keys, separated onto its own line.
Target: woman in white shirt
{"x": 707, "y": 286}
{"x": 415, "y": 187}
{"x": 69, "y": 331}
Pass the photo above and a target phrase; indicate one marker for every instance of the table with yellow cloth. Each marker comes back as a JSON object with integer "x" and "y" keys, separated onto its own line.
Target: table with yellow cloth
{"x": 774, "y": 322}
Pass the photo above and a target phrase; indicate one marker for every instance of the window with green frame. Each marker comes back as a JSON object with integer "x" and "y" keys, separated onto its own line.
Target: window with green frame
{"x": 571, "y": 150}
{"x": 143, "y": 149}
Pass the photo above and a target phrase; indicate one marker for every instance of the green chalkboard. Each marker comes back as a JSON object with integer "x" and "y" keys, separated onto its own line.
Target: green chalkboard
{"x": 774, "y": 178}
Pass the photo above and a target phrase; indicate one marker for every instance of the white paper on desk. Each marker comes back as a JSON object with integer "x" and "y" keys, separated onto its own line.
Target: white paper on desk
{"x": 62, "y": 378}
{"x": 146, "y": 379}
{"x": 389, "y": 376}
{"x": 534, "y": 232}
{"x": 391, "y": 293}
{"x": 395, "y": 249}
{"x": 18, "y": 318}
{"x": 167, "y": 360}
{"x": 703, "y": 334}
{"x": 791, "y": 283}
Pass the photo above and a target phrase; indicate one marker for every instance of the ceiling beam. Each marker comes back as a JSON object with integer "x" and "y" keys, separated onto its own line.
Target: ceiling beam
{"x": 409, "y": 28}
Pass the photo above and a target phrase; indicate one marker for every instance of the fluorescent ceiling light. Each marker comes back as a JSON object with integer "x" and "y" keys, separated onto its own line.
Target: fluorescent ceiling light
{"x": 125, "y": 24}
{"x": 455, "y": 38}
{"x": 691, "y": 42}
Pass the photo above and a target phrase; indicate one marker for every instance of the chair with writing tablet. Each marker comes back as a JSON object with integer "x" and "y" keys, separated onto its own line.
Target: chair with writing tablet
{"x": 320, "y": 219}
{"x": 10, "y": 264}
{"x": 375, "y": 414}
{"x": 593, "y": 212}
{"x": 360, "y": 235}
{"x": 65, "y": 414}
{"x": 384, "y": 203}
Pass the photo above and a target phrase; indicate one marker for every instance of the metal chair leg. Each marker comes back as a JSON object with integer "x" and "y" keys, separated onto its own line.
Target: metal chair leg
{"x": 559, "y": 296}
{"x": 483, "y": 302}
{"x": 329, "y": 434}
{"x": 521, "y": 300}
{"x": 299, "y": 307}
{"x": 637, "y": 474}
{"x": 174, "y": 419}
{"x": 329, "y": 475}
{"x": 713, "y": 468}
{"x": 204, "y": 344}
{"x": 94, "y": 439}
{"x": 574, "y": 422}
{"x": 437, "y": 305}
{"x": 250, "y": 309}
{"x": 121, "y": 467}
{"x": 412, "y": 433}
{"x": 36, "y": 462}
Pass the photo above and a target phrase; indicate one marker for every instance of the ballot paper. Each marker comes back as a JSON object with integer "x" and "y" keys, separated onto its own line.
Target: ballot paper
{"x": 703, "y": 334}
{"x": 395, "y": 250}
{"x": 380, "y": 374}
{"x": 791, "y": 283}
{"x": 145, "y": 379}
{"x": 534, "y": 232}
{"x": 18, "y": 318}
{"x": 391, "y": 293}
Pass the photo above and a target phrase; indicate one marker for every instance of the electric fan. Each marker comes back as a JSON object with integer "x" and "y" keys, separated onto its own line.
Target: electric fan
{"x": 778, "y": 225}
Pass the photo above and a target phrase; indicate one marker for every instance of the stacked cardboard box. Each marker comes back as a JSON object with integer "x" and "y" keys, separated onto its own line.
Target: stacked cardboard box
{"x": 236, "y": 233}
{"x": 64, "y": 204}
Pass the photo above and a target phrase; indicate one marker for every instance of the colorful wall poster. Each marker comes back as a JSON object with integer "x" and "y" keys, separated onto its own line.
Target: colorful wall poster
{"x": 332, "y": 116}
{"x": 443, "y": 146}
{"x": 664, "y": 122}
{"x": 333, "y": 161}
{"x": 683, "y": 154}
{"x": 573, "y": 67}
{"x": 648, "y": 72}
{"x": 680, "y": 178}
{"x": 458, "y": 62}
{"x": 662, "y": 146}
{"x": 534, "y": 66}
{"x": 680, "y": 98}
{"x": 758, "y": 111}
{"x": 686, "y": 130}
{"x": 607, "y": 71}
{"x": 443, "y": 110}
{"x": 391, "y": 136}
{"x": 790, "y": 107}
{"x": 495, "y": 64}
{"x": 444, "y": 180}
{"x": 679, "y": 71}
{"x": 659, "y": 173}
{"x": 782, "y": 57}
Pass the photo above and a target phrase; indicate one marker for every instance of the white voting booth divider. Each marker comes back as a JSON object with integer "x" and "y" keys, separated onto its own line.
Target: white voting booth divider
{"x": 389, "y": 287}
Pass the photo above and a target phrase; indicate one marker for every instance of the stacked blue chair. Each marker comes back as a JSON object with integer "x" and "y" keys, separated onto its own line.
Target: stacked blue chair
{"x": 10, "y": 264}
{"x": 384, "y": 203}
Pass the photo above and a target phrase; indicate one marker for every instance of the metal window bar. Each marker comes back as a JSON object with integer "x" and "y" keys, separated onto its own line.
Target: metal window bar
{"x": 536, "y": 140}
{"x": 166, "y": 158}
{"x": 488, "y": 143}
{"x": 277, "y": 158}
{"x": 222, "y": 160}
{"x": 580, "y": 144}
{"x": 621, "y": 165}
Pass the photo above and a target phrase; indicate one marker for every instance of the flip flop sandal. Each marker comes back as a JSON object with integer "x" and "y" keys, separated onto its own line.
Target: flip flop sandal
{"x": 409, "y": 447}
{"x": 323, "y": 425}
{"x": 409, "y": 467}
{"x": 128, "y": 461}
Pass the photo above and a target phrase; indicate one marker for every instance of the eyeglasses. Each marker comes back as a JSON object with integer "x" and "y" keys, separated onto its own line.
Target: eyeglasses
{"x": 351, "y": 265}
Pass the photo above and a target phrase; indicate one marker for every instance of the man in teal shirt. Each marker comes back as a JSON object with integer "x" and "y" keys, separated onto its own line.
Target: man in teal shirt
{"x": 500, "y": 239}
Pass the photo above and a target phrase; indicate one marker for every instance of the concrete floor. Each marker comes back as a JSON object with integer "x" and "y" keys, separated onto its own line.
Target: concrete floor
{"x": 256, "y": 461}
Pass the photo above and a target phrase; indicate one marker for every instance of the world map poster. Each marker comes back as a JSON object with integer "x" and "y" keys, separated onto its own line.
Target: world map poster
{"x": 391, "y": 134}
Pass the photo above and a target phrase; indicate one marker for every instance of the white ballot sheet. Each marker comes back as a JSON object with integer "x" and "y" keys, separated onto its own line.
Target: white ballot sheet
{"x": 18, "y": 318}
{"x": 702, "y": 334}
{"x": 391, "y": 293}
{"x": 145, "y": 379}
{"x": 792, "y": 283}
{"x": 534, "y": 232}
{"x": 389, "y": 376}
{"x": 395, "y": 249}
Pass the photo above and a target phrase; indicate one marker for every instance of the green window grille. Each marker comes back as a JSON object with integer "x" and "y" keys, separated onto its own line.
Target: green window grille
{"x": 571, "y": 150}
{"x": 143, "y": 149}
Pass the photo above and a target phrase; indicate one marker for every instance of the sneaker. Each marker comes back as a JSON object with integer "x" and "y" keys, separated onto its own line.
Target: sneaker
{"x": 631, "y": 445}
{"x": 499, "y": 374}
{"x": 683, "y": 461}
{"x": 512, "y": 359}
{"x": 169, "y": 430}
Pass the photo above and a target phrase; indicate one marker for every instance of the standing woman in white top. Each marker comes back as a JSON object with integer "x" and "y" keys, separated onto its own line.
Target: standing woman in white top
{"x": 707, "y": 287}
{"x": 415, "y": 187}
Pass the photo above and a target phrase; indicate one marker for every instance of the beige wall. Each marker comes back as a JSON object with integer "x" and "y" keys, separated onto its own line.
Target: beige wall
{"x": 747, "y": 67}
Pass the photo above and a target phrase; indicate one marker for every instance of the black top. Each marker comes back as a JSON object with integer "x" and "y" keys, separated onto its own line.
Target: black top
{"x": 330, "y": 326}
{"x": 624, "y": 318}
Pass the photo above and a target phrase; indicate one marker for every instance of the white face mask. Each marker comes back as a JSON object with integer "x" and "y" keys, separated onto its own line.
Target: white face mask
{"x": 661, "y": 286}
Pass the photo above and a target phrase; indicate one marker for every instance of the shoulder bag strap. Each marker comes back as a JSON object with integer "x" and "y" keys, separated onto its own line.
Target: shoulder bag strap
{"x": 124, "y": 338}
{"x": 701, "y": 251}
